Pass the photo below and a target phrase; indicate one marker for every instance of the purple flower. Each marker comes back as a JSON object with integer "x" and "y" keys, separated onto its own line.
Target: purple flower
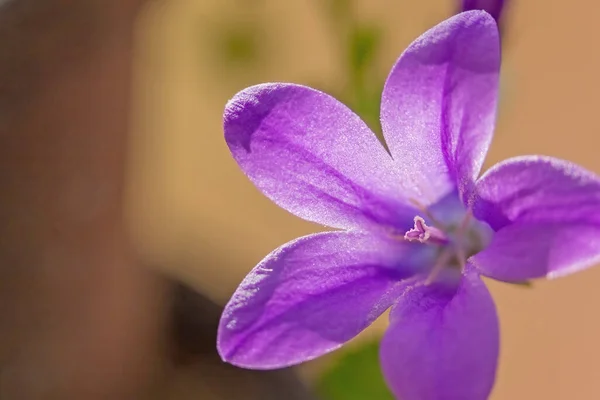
{"x": 417, "y": 225}
{"x": 494, "y": 7}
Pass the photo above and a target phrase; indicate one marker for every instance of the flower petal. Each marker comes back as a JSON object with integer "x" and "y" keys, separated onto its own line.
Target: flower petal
{"x": 537, "y": 189}
{"x": 439, "y": 105}
{"x": 524, "y": 251}
{"x": 312, "y": 295}
{"x": 442, "y": 342}
{"x": 546, "y": 214}
{"x": 493, "y": 7}
{"x": 314, "y": 157}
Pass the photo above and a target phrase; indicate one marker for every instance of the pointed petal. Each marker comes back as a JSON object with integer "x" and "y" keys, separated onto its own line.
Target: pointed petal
{"x": 546, "y": 214}
{"x": 439, "y": 105}
{"x": 442, "y": 342}
{"x": 314, "y": 157}
{"x": 312, "y": 295}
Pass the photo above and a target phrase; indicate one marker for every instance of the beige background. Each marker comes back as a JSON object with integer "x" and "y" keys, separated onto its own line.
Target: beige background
{"x": 195, "y": 214}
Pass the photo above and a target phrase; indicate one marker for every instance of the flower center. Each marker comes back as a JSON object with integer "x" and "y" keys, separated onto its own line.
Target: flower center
{"x": 456, "y": 242}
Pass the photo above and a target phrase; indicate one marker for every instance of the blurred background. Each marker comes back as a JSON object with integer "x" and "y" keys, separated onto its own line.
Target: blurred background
{"x": 192, "y": 218}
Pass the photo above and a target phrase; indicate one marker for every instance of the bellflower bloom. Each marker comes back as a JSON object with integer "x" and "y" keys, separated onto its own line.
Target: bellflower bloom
{"x": 417, "y": 227}
{"x": 493, "y": 7}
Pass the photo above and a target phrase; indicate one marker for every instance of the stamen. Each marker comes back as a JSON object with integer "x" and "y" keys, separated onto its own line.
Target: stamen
{"x": 424, "y": 233}
{"x": 460, "y": 236}
{"x": 465, "y": 222}
{"x": 440, "y": 264}
{"x": 421, "y": 207}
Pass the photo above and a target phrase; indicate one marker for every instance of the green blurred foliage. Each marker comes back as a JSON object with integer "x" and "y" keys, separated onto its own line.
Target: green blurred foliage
{"x": 355, "y": 376}
{"x": 342, "y": 8}
{"x": 365, "y": 85}
{"x": 364, "y": 43}
{"x": 524, "y": 284}
{"x": 361, "y": 44}
{"x": 239, "y": 45}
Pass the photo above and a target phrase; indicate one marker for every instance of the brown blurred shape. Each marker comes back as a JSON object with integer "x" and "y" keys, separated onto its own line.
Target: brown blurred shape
{"x": 80, "y": 316}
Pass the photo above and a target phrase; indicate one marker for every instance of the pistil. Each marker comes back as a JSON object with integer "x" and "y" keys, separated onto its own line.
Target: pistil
{"x": 424, "y": 233}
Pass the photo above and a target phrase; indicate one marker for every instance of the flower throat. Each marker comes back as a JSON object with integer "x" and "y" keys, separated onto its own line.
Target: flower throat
{"x": 456, "y": 243}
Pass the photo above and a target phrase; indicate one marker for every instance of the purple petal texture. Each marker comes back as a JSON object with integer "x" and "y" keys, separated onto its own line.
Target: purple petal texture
{"x": 442, "y": 343}
{"x": 313, "y": 294}
{"x": 525, "y": 251}
{"x": 314, "y": 157}
{"x": 546, "y": 214}
{"x": 438, "y": 106}
{"x": 493, "y": 7}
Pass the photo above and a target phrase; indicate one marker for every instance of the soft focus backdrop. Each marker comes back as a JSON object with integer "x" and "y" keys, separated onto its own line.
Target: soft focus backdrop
{"x": 195, "y": 215}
